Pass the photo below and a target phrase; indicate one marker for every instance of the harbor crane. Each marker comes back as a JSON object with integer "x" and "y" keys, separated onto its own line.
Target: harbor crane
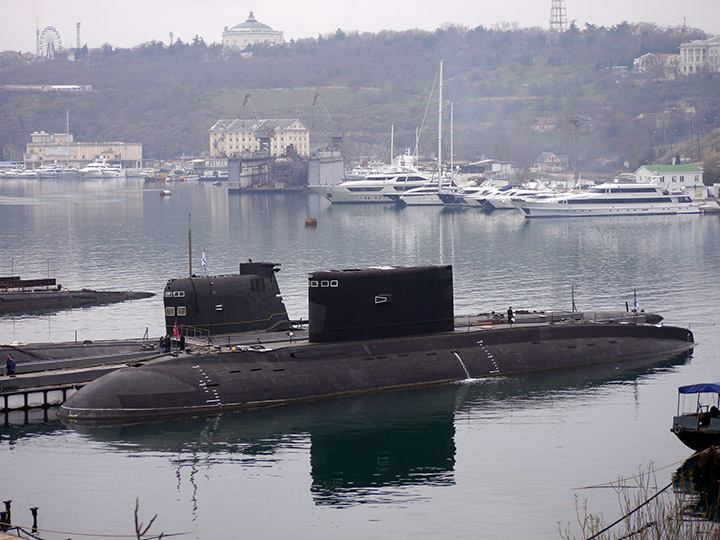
{"x": 262, "y": 132}
{"x": 335, "y": 134}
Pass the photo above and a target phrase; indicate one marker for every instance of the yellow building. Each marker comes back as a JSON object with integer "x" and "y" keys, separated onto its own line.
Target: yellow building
{"x": 48, "y": 148}
{"x": 234, "y": 137}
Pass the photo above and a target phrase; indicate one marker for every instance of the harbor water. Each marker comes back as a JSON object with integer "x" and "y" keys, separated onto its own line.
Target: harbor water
{"x": 503, "y": 458}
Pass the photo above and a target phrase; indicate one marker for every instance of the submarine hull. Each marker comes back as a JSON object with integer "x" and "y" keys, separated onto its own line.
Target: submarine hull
{"x": 31, "y": 301}
{"x": 255, "y": 377}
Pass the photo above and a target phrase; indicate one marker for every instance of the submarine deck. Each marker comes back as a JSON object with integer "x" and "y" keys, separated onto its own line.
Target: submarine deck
{"x": 299, "y": 333}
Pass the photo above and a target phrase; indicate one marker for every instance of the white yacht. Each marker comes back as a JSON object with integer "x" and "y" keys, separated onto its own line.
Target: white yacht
{"x": 55, "y": 171}
{"x": 28, "y": 174}
{"x": 101, "y": 169}
{"x": 611, "y": 199}
{"x": 507, "y": 200}
{"x": 425, "y": 195}
{"x": 374, "y": 188}
{"x": 481, "y": 198}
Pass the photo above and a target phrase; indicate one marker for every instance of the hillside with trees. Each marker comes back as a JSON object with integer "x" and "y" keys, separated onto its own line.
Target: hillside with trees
{"x": 515, "y": 92}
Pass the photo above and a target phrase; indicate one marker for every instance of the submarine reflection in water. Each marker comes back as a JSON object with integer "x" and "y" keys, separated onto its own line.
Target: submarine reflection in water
{"x": 361, "y": 448}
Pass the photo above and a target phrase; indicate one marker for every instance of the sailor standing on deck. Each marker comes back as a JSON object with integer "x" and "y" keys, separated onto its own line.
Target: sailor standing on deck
{"x": 10, "y": 365}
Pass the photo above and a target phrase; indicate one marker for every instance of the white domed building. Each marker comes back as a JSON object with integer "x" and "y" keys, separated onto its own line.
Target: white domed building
{"x": 248, "y": 33}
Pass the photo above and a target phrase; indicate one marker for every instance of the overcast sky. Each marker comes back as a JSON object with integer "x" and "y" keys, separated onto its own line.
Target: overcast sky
{"x": 127, "y": 23}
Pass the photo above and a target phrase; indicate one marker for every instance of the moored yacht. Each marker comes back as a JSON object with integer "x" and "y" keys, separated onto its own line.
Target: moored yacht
{"x": 372, "y": 189}
{"x": 425, "y": 195}
{"x": 508, "y": 198}
{"x": 55, "y": 171}
{"x": 28, "y": 174}
{"x": 101, "y": 169}
{"x": 611, "y": 199}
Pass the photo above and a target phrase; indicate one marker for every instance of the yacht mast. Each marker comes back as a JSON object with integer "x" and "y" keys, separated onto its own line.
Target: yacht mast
{"x": 439, "y": 155}
{"x": 67, "y": 137}
{"x": 452, "y": 121}
{"x": 190, "y": 274}
{"x": 392, "y": 141}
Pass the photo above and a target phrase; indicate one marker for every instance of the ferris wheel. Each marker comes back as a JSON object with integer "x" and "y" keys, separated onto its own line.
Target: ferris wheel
{"x": 50, "y": 42}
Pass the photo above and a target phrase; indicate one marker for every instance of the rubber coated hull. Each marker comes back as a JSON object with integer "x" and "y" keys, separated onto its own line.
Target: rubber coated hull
{"x": 20, "y": 302}
{"x": 210, "y": 382}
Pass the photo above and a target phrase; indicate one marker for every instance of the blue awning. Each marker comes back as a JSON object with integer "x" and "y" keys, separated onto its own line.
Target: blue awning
{"x": 698, "y": 388}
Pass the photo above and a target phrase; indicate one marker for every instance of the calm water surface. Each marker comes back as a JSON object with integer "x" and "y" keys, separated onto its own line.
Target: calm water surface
{"x": 488, "y": 459}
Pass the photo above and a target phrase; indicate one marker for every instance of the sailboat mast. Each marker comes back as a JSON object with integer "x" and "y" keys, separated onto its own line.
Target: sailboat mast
{"x": 189, "y": 247}
{"x": 452, "y": 121}
{"x": 392, "y": 142}
{"x": 67, "y": 138}
{"x": 440, "y": 98}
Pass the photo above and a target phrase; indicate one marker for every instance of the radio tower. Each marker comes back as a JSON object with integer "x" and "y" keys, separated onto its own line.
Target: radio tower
{"x": 558, "y": 16}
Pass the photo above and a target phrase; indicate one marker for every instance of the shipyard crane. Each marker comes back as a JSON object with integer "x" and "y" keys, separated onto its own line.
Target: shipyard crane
{"x": 335, "y": 134}
{"x": 262, "y": 133}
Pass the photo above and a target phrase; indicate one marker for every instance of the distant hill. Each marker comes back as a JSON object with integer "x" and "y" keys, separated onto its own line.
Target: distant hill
{"x": 515, "y": 92}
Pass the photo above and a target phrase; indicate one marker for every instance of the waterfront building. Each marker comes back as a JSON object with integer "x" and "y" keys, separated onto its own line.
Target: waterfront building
{"x": 49, "y": 148}
{"x": 492, "y": 169}
{"x": 660, "y": 66}
{"x": 237, "y": 136}
{"x": 550, "y": 163}
{"x": 673, "y": 177}
{"x": 248, "y": 33}
{"x": 700, "y": 56}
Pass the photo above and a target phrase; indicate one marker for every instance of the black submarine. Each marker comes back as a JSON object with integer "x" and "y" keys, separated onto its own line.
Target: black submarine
{"x": 368, "y": 330}
{"x": 30, "y": 295}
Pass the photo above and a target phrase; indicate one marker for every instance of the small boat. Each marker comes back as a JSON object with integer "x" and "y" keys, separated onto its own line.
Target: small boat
{"x": 710, "y": 206}
{"x": 697, "y": 423}
{"x": 28, "y": 173}
{"x": 165, "y": 193}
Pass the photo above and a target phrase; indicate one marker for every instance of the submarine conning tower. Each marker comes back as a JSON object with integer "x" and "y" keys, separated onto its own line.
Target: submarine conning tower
{"x": 379, "y": 302}
{"x": 212, "y": 305}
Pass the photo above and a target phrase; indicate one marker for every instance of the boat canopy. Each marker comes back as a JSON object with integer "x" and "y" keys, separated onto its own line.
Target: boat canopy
{"x": 700, "y": 388}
